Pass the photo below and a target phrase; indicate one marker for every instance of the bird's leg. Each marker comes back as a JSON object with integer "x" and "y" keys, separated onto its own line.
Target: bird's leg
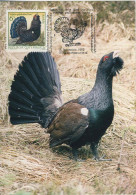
{"x": 75, "y": 155}
{"x": 94, "y": 147}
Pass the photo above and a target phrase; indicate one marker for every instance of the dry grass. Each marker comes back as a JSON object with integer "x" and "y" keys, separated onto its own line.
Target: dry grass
{"x": 28, "y": 164}
{"x": 29, "y": 167}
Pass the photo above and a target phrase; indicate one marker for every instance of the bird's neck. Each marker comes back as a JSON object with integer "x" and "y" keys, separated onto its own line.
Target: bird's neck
{"x": 103, "y": 91}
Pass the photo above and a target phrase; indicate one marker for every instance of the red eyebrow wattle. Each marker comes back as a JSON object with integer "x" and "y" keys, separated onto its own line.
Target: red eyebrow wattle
{"x": 105, "y": 58}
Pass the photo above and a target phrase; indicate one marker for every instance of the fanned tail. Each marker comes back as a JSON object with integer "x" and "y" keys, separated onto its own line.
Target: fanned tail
{"x": 36, "y": 90}
{"x": 18, "y": 25}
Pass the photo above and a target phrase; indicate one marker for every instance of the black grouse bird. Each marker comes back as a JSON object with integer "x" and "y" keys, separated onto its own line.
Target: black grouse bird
{"x": 19, "y": 29}
{"x": 36, "y": 97}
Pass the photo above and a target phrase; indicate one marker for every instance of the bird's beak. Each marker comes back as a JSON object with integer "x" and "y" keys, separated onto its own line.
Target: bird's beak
{"x": 115, "y": 54}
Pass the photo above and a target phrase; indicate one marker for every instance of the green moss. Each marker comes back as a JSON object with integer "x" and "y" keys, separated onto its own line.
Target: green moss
{"x": 23, "y": 193}
{"x": 7, "y": 180}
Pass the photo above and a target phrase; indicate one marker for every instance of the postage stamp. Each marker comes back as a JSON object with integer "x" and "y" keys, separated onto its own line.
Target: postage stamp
{"x": 71, "y": 28}
{"x": 26, "y": 30}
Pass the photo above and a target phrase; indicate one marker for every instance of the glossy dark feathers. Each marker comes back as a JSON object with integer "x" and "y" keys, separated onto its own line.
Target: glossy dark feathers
{"x": 36, "y": 90}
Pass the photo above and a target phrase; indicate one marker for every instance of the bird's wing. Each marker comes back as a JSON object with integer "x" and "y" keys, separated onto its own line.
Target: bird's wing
{"x": 69, "y": 124}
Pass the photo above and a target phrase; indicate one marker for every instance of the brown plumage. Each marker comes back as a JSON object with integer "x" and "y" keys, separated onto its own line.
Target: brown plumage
{"x": 67, "y": 128}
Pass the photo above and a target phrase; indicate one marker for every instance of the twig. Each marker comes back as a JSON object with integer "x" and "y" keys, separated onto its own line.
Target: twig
{"x": 123, "y": 140}
{"x": 121, "y": 151}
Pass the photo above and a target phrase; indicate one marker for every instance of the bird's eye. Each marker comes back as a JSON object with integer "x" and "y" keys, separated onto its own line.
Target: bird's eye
{"x": 105, "y": 58}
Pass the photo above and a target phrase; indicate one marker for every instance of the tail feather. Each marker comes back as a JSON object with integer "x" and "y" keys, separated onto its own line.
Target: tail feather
{"x": 19, "y": 97}
{"x": 24, "y": 115}
{"x": 21, "y": 88}
{"x": 17, "y": 121}
{"x": 55, "y": 72}
{"x": 23, "y": 77}
{"x": 23, "y": 108}
{"x": 38, "y": 66}
{"x": 28, "y": 70}
{"x": 36, "y": 90}
{"x": 46, "y": 63}
{"x": 47, "y": 81}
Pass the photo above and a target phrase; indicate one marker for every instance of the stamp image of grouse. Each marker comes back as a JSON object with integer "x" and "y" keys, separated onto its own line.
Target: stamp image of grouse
{"x": 19, "y": 29}
{"x": 68, "y": 33}
{"x": 36, "y": 97}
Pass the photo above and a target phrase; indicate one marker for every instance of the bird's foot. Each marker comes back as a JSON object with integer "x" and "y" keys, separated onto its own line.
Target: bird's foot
{"x": 79, "y": 160}
{"x": 75, "y": 156}
{"x": 76, "y": 159}
{"x": 97, "y": 158}
{"x": 94, "y": 147}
